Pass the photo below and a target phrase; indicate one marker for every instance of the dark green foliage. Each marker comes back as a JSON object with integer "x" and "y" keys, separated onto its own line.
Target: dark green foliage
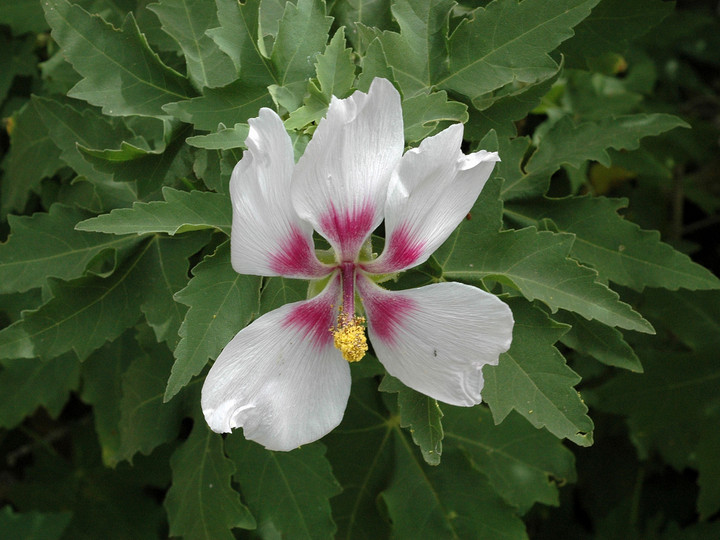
{"x": 123, "y": 121}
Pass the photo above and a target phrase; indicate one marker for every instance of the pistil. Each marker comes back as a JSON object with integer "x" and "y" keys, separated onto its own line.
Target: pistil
{"x": 349, "y": 334}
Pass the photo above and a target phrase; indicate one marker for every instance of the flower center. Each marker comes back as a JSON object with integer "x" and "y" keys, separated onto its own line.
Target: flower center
{"x": 349, "y": 334}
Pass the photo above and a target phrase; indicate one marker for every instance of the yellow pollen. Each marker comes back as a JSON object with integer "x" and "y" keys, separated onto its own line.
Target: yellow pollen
{"x": 350, "y": 337}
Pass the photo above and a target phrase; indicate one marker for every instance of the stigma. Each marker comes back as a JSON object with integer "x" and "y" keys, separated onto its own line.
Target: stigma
{"x": 350, "y": 337}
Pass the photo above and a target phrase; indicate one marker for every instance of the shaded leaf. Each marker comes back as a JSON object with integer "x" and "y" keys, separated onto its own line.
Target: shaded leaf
{"x": 223, "y": 139}
{"x": 181, "y": 211}
{"x": 287, "y": 492}
{"x": 187, "y": 21}
{"x": 603, "y": 343}
{"x": 422, "y": 415}
{"x": 221, "y": 303}
{"x": 235, "y": 103}
{"x": 145, "y": 421}
{"x": 509, "y": 41}
{"x": 47, "y": 245}
{"x": 533, "y": 379}
{"x": 28, "y": 384}
{"x": 534, "y": 262}
{"x": 201, "y": 503}
{"x": 524, "y": 465}
{"x": 121, "y": 73}
{"x": 32, "y": 157}
{"x": 32, "y": 525}
{"x": 238, "y": 37}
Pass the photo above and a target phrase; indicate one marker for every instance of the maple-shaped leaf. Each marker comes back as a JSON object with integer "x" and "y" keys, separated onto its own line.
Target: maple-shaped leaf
{"x": 535, "y": 262}
{"x": 121, "y": 73}
{"x": 509, "y": 41}
{"x": 533, "y": 379}
{"x": 287, "y": 492}
{"x": 524, "y": 464}
{"x": 181, "y": 211}
{"x": 187, "y": 21}
{"x": 221, "y": 303}
{"x": 85, "y": 313}
{"x": 46, "y": 245}
{"x": 421, "y": 415}
{"x": 618, "y": 249}
{"x": 201, "y": 502}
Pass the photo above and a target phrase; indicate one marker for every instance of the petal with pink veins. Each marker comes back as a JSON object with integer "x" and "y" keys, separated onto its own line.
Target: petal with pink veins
{"x": 281, "y": 378}
{"x": 268, "y": 237}
{"x": 340, "y": 182}
{"x": 431, "y": 191}
{"x": 436, "y": 339}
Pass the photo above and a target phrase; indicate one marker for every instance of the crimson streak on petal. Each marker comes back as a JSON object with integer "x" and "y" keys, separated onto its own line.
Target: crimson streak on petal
{"x": 316, "y": 317}
{"x": 297, "y": 258}
{"x": 402, "y": 251}
{"x": 347, "y": 229}
{"x": 387, "y": 311}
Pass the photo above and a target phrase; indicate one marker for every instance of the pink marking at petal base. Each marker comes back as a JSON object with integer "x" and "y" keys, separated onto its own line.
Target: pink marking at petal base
{"x": 315, "y": 317}
{"x": 402, "y": 250}
{"x": 347, "y": 229}
{"x": 297, "y": 258}
{"x": 386, "y": 311}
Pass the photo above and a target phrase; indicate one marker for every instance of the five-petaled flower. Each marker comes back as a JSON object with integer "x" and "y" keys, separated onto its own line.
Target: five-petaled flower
{"x": 284, "y": 378}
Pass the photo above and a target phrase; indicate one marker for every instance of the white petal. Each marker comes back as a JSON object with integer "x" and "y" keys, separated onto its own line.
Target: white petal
{"x": 432, "y": 190}
{"x": 341, "y": 180}
{"x": 437, "y": 338}
{"x": 281, "y": 378}
{"x": 268, "y": 238}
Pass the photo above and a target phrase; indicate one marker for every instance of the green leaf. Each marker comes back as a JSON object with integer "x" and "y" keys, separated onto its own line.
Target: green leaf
{"x": 102, "y": 376}
{"x": 369, "y": 13}
{"x": 167, "y": 273}
{"x": 360, "y": 452}
{"x": 150, "y": 172}
{"x": 145, "y": 421}
{"x": 181, "y": 211}
{"x": 422, "y": 415}
{"x": 603, "y": 343}
{"x": 278, "y": 291}
{"x": 691, "y": 317}
{"x": 596, "y": 35}
{"x": 121, "y": 73}
{"x": 23, "y": 16}
{"x": 302, "y": 32}
{"x": 524, "y": 465}
{"x": 28, "y": 384}
{"x": 450, "y": 501}
{"x": 201, "y": 503}
{"x": 335, "y": 68}
{"x": 32, "y": 157}
{"x": 223, "y": 139}
{"x": 221, "y": 303}
{"x": 235, "y": 103}
{"x": 85, "y": 313}
{"x": 509, "y": 105}
{"x": 238, "y": 37}
{"x": 535, "y": 263}
{"x": 669, "y": 404}
{"x": 335, "y": 76}
{"x": 569, "y": 144}
{"x": 533, "y": 379}
{"x": 287, "y": 492}
{"x": 42, "y": 246}
{"x": 618, "y": 249}
{"x": 709, "y": 472}
{"x": 32, "y": 525}
{"x": 70, "y": 127}
{"x": 417, "y": 55}
{"x": 509, "y": 41}
{"x": 187, "y": 21}
{"x": 426, "y": 114}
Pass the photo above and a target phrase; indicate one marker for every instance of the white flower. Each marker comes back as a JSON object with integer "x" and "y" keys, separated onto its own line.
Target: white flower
{"x": 283, "y": 378}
